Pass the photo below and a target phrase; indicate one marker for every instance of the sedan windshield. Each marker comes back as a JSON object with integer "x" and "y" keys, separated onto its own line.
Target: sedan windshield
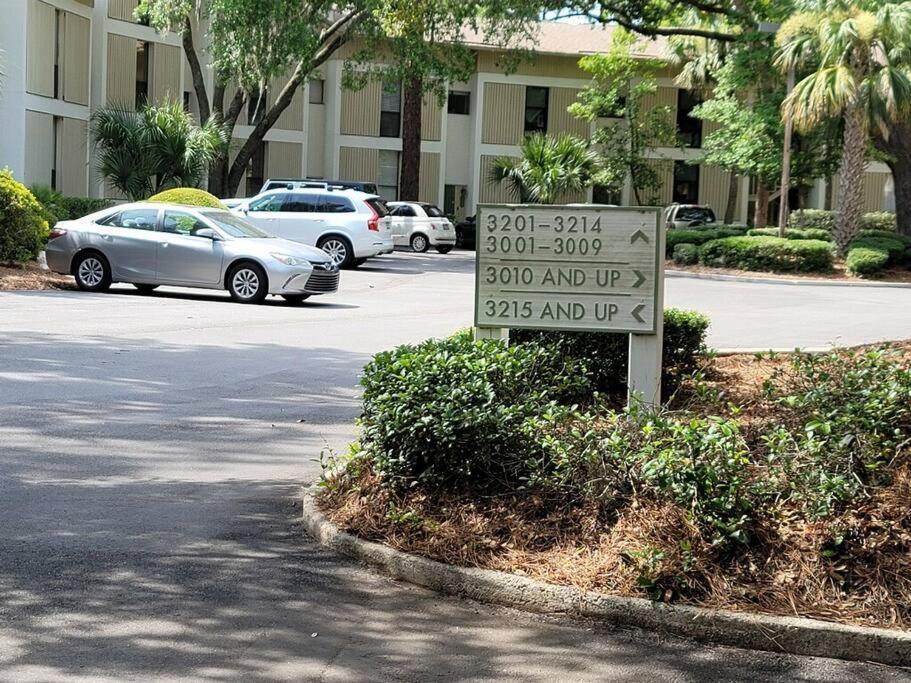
{"x": 235, "y": 226}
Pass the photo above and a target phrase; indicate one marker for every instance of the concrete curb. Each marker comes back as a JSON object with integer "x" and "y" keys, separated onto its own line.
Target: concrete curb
{"x": 754, "y": 631}
{"x": 800, "y": 282}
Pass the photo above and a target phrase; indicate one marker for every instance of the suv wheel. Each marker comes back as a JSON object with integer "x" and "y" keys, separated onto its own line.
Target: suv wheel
{"x": 247, "y": 283}
{"x": 92, "y": 272}
{"x": 339, "y": 250}
{"x": 419, "y": 243}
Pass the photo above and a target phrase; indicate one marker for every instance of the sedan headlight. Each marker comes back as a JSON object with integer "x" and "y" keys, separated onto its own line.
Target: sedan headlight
{"x": 288, "y": 260}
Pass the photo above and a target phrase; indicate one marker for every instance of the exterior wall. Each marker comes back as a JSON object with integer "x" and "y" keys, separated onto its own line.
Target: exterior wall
{"x": 431, "y": 118}
{"x": 714, "y": 188}
{"x": 316, "y": 137}
{"x": 72, "y": 157}
{"x": 42, "y": 28}
{"x": 358, "y": 163}
{"x": 121, "y": 70}
{"x": 284, "y": 160}
{"x": 504, "y": 105}
{"x": 360, "y": 110}
{"x": 39, "y": 157}
{"x": 492, "y": 193}
{"x": 429, "y": 190}
{"x": 164, "y": 78}
{"x": 559, "y": 120}
{"x": 76, "y": 58}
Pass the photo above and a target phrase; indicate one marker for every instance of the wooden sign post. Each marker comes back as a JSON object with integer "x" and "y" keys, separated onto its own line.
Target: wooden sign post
{"x": 584, "y": 268}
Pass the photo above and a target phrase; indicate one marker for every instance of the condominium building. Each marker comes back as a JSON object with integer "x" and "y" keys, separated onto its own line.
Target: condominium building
{"x": 65, "y": 58}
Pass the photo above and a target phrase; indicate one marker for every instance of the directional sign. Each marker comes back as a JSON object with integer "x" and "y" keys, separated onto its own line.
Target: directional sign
{"x": 568, "y": 267}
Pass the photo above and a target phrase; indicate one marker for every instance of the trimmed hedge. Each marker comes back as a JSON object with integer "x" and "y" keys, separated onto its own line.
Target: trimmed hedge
{"x": 768, "y": 254}
{"x": 23, "y": 221}
{"x": 825, "y": 220}
{"x": 605, "y": 355}
{"x": 894, "y": 248}
{"x": 686, "y": 254}
{"x": 866, "y": 260}
{"x": 699, "y": 236}
{"x": 188, "y": 196}
{"x": 61, "y": 208}
{"x": 793, "y": 233}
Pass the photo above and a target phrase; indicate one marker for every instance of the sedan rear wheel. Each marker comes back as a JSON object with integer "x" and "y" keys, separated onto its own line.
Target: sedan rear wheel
{"x": 420, "y": 243}
{"x": 339, "y": 250}
{"x": 92, "y": 272}
{"x": 247, "y": 283}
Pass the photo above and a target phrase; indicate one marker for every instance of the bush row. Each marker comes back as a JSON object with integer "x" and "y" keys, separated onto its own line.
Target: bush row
{"x": 700, "y": 235}
{"x": 767, "y": 254}
{"x": 825, "y": 220}
{"x": 452, "y": 412}
{"x": 23, "y": 221}
{"x": 793, "y": 233}
{"x": 62, "y": 208}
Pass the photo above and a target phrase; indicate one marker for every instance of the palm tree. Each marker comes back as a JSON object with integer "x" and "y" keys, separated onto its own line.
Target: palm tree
{"x": 859, "y": 62}
{"x": 548, "y": 168}
{"x": 158, "y": 147}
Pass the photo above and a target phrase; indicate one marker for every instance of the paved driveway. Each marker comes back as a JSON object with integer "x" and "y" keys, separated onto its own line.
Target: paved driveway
{"x": 151, "y": 450}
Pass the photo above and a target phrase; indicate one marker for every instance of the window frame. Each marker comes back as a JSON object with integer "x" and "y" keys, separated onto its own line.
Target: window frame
{"x": 322, "y": 91}
{"x": 465, "y": 96}
{"x": 542, "y": 114}
{"x": 163, "y": 217}
{"x": 103, "y": 220}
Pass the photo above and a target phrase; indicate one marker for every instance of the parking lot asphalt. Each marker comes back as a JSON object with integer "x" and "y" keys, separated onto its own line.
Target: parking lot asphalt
{"x": 152, "y": 450}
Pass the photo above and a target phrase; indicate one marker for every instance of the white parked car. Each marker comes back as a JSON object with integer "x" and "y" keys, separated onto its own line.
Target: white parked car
{"x": 421, "y": 226}
{"x": 348, "y": 225}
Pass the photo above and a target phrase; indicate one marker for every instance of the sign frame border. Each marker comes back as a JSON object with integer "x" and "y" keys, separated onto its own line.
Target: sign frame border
{"x": 658, "y": 269}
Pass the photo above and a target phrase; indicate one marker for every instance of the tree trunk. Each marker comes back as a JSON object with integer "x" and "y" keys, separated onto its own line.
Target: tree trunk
{"x": 761, "y": 211}
{"x": 410, "y": 172}
{"x": 851, "y": 179}
{"x": 898, "y": 150}
{"x": 733, "y": 191}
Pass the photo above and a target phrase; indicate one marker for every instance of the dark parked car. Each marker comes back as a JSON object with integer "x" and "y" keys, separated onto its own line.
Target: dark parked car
{"x": 466, "y": 233}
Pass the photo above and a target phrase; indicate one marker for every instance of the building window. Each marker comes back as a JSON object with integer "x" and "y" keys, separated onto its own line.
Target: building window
{"x": 388, "y": 179}
{"x": 142, "y": 72}
{"x": 256, "y": 171}
{"x": 459, "y": 102}
{"x": 391, "y": 111}
{"x": 686, "y": 183}
{"x": 601, "y": 194}
{"x": 316, "y": 91}
{"x": 689, "y": 127}
{"x": 536, "y": 109}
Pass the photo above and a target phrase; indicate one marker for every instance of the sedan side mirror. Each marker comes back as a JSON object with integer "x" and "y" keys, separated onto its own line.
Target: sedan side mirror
{"x": 208, "y": 233}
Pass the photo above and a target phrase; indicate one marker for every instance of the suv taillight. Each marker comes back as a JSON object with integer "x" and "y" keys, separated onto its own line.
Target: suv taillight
{"x": 373, "y": 224}
{"x": 55, "y": 233}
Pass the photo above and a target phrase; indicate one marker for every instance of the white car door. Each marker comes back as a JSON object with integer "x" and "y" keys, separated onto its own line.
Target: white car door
{"x": 300, "y": 219}
{"x": 403, "y": 220}
{"x": 263, "y": 211}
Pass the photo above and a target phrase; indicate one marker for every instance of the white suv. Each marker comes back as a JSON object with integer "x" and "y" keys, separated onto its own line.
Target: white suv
{"x": 420, "y": 226}
{"x": 350, "y": 226}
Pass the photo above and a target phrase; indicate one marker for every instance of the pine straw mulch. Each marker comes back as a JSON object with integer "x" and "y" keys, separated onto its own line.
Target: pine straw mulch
{"x": 32, "y": 276}
{"x": 790, "y": 567}
{"x": 838, "y": 272}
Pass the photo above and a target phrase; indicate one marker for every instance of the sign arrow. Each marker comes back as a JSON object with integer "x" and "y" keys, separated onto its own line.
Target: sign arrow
{"x": 638, "y": 235}
{"x": 640, "y": 278}
{"x": 636, "y": 311}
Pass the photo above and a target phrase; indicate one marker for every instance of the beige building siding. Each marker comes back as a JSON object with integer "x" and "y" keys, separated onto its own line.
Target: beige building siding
{"x": 76, "y": 58}
{"x": 429, "y": 188}
{"x": 431, "y": 118}
{"x": 122, "y": 9}
{"x": 360, "y": 110}
{"x": 39, "y": 58}
{"x": 72, "y": 164}
{"x": 284, "y": 160}
{"x": 316, "y": 142}
{"x": 121, "y": 85}
{"x": 39, "y": 152}
{"x": 665, "y": 193}
{"x": 165, "y": 76}
{"x": 504, "y": 106}
{"x": 549, "y": 66}
{"x": 875, "y": 191}
{"x": 714, "y": 186}
{"x": 491, "y": 192}
{"x": 357, "y": 162}
{"x": 293, "y": 117}
{"x": 559, "y": 120}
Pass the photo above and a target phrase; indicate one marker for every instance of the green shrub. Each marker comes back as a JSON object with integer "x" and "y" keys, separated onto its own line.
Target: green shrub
{"x": 62, "y": 208}
{"x": 699, "y": 236}
{"x": 866, "y": 260}
{"x": 892, "y": 246}
{"x": 454, "y": 413}
{"x": 188, "y": 196}
{"x": 904, "y": 239}
{"x": 793, "y": 233}
{"x": 23, "y": 221}
{"x": 768, "y": 254}
{"x": 686, "y": 253}
{"x": 878, "y": 220}
{"x": 605, "y": 355}
{"x": 820, "y": 219}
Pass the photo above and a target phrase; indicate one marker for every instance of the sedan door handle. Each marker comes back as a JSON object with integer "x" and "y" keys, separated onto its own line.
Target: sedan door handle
{"x": 318, "y": 220}
{"x": 164, "y": 244}
{"x": 107, "y": 237}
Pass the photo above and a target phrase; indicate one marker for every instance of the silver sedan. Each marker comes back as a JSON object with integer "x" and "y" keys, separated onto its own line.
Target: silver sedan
{"x": 149, "y": 245}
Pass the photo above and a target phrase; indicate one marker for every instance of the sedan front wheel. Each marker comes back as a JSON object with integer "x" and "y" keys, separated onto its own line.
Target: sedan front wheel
{"x": 247, "y": 283}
